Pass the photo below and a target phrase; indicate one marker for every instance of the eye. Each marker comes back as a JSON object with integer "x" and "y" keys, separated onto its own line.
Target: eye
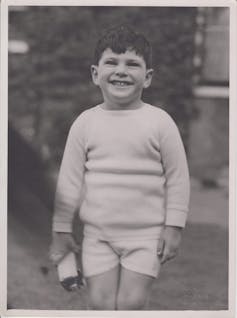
{"x": 133, "y": 64}
{"x": 110, "y": 62}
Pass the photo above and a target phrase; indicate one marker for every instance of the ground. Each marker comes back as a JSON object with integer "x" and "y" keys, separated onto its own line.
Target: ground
{"x": 196, "y": 280}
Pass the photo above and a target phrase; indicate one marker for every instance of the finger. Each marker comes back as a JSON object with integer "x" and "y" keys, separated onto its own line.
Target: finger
{"x": 167, "y": 257}
{"x": 164, "y": 259}
{"x": 165, "y": 254}
{"x": 55, "y": 257}
{"x": 160, "y": 247}
{"x": 160, "y": 254}
{"x": 56, "y": 254}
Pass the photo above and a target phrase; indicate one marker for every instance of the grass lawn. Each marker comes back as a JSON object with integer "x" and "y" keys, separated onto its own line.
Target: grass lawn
{"x": 196, "y": 280}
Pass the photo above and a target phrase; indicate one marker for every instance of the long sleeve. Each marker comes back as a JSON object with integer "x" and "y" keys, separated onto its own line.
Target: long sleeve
{"x": 129, "y": 162}
{"x": 176, "y": 173}
{"x": 70, "y": 179}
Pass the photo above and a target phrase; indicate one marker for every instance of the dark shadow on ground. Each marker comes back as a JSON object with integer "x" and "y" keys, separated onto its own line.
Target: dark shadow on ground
{"x": 28, "y": 174}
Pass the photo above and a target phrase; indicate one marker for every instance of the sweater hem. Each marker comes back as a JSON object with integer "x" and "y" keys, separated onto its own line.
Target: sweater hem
{"x": 118, "y": 237}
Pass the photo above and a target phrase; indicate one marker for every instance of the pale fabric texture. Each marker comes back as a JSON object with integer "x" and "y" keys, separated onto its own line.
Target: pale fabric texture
{"x": 127, "y": 171}
{"x": 136, "y": 255}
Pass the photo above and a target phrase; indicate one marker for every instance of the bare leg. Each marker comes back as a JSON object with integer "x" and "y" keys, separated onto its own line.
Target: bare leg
{"x": 133, "y": 290}
{"x": 102, "y": 290}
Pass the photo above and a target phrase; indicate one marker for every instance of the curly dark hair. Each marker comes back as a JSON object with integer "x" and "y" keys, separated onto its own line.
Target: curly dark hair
{"x": 122, "y": 38}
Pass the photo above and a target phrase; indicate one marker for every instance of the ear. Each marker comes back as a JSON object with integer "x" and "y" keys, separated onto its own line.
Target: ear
{"x": 148, "y": 78}
{"x": 94, "y": 74}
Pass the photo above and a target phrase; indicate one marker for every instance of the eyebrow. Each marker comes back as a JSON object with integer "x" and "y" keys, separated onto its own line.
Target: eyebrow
{"x": 115, "y": 58}
{"x": 134, "y": 61}
{"x": 110, "y": 58}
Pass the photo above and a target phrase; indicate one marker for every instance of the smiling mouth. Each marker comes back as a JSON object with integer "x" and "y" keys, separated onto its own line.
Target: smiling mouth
{"x": 120, "y": 83}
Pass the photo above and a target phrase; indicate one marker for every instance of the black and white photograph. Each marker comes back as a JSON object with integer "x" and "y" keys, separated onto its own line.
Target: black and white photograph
{"x": 119, "y": 173}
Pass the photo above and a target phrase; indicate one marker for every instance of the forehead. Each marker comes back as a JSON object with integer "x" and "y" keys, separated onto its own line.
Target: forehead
{"x": 127, "y": 55}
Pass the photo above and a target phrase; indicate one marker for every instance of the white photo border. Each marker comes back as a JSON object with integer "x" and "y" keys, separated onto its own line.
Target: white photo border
{"x": 232, "y": 159}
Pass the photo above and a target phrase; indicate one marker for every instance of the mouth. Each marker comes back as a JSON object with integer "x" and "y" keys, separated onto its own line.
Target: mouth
{"x": 120, "y": 83}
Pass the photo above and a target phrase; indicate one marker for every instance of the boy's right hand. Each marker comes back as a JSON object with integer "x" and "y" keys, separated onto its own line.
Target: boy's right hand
{"x": 62, "y": 244}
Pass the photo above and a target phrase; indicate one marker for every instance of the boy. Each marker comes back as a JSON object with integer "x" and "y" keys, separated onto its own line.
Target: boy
{"x": 125, "y": 162}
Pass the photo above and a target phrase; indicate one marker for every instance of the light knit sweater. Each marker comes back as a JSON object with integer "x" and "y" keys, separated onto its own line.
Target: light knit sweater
{"x": 127, "y": 171}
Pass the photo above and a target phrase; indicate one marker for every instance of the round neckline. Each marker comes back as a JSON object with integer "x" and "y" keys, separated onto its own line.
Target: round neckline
{"x": 121, "y": 111}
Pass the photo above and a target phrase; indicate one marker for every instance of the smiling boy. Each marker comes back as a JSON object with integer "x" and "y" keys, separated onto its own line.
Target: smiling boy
{"x": 121, "y": 78}
{"x": 129, "y": 159}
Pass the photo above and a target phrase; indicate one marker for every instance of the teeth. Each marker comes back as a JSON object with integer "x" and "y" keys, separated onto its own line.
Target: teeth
{"x": 120, "y": 83}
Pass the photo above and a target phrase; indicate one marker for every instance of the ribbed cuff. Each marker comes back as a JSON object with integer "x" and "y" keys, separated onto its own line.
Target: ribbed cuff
{"x": 176, "y": 218}
{"x": 62, "y": 227}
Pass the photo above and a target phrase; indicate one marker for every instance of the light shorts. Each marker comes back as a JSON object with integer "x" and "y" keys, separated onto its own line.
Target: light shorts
{"x": 99, "y": 256}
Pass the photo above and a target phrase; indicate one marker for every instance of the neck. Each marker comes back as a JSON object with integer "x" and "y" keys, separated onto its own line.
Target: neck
{"x": 122, "y": 106}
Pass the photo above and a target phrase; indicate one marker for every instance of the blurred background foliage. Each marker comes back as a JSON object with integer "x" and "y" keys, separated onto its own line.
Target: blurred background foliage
{"x": 51, "y": 85}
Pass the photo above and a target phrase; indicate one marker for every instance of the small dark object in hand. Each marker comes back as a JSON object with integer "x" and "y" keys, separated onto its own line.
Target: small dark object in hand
{"x": 73, "y": 283}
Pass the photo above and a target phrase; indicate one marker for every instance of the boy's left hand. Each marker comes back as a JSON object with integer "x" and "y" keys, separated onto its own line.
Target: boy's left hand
{"x": 171, "y": 241}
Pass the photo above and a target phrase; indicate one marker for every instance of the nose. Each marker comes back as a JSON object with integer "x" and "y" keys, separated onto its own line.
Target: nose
{"x": 121, "y": 69}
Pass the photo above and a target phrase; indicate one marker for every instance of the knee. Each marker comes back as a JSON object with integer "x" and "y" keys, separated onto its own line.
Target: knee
{"x": 132, "y": 301}
{"x": 101, "y": 301}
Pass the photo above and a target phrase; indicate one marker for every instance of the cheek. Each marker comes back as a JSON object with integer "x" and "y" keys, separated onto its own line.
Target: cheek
{"x": 104, "y": 75}
{"x": 141, "y": 81}
{"x": 139, "y": 76}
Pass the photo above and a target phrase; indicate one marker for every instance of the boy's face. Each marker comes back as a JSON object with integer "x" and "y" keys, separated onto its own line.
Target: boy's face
{"x": 121, "y": 77}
